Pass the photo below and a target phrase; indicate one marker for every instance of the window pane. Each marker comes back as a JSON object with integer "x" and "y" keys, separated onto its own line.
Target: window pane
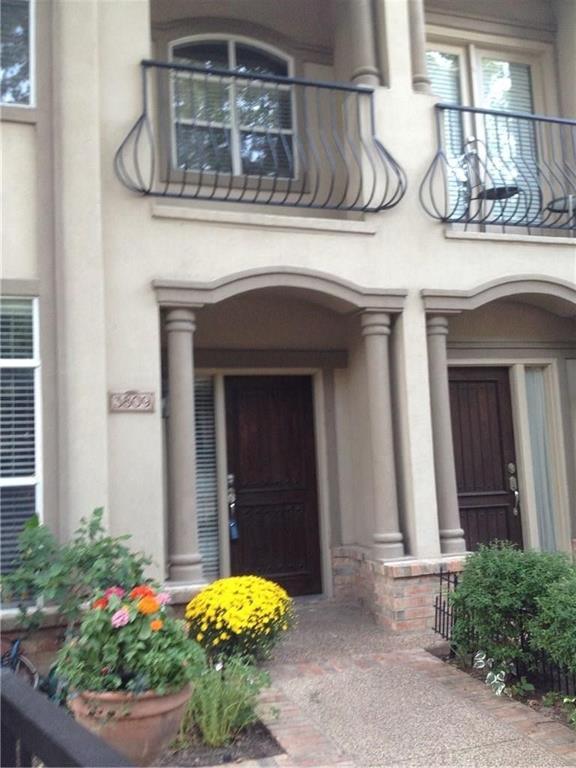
{"x": 17, "y": 422}
{"x": 15, "y": 52}
{"x": 506, "y": 85}
{"x": 206, "y": 477}
{"x": 206, "y": 149}
{"x": 511, "y": 142}
{"x": 444, "y": 73}
{"x": 16, "y": 329}
{"x": 209, "y": 55}
{"x": 199, "y": 99}
{"x": 249, "y": 59}
{"x": 261, "y": 106}
{"x": 265, "y": 154}
{"x": 17, "y": 505}
{"x": 541, "y": 465}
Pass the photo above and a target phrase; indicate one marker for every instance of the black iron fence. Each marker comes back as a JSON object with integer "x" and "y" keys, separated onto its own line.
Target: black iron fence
{"x": 504, "y": 169}
{"x": 537, "y": 667}
{"x": 229, "y": 136}
{"x": 37, "y": 731}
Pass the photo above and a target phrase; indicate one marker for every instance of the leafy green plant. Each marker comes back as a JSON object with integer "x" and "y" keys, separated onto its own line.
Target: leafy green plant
{"x": 126, "y": 641}
{"x": 522, "y": 688}
{"x": 224, "y": 700}
{"x": 553, "y": 628}
{"x": 569, "y": 703}
{"x": 65, "y": 575}
{"x": 498, "y": 596}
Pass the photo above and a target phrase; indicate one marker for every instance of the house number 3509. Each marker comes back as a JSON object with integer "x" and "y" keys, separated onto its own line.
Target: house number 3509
{"x": 132, "y": 402}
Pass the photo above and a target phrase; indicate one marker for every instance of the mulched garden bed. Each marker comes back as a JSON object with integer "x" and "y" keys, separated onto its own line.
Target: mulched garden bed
{"x": 534, "y": 700}
{"x": 253, "y": 743}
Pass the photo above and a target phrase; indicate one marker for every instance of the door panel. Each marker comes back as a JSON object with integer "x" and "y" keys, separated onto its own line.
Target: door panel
{"x": 271, "y": 454}
{"x": 484, "y": 454}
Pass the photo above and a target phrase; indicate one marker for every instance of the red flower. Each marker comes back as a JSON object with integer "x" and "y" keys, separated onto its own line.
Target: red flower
{"x": 102, "y": 602}
{"x": 142, "y": 591}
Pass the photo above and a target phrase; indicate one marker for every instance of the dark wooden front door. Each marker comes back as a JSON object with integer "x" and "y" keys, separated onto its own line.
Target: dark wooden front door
{"x": 271, "y": 456}
{"x": 484, "y": 453}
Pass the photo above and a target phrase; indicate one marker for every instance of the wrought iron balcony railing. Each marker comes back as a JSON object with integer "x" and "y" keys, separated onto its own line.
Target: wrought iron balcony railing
{"x": 235, "y": 136}
{"x": 502, "y": 168}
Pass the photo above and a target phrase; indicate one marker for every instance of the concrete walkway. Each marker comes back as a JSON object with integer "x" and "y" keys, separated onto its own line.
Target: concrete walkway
{"x": 349, "y": 694}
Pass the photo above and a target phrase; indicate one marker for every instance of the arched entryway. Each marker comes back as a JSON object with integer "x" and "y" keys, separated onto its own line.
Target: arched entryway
{"x": 502, "y": 359}
{"x": 274, "y": 345}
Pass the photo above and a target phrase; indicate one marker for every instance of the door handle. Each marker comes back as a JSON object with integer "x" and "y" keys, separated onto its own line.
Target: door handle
{"x": 516, "y": 508}
{"x": 232, "y": 521}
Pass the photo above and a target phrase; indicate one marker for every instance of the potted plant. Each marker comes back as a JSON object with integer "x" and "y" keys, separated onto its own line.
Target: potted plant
{"x": 129, "y": 670}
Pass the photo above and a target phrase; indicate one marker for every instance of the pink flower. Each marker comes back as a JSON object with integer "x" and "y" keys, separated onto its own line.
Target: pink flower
{"x": 118, "y": 591}
{"x": 120, "y": 618}
{"x": 163, "y": 598}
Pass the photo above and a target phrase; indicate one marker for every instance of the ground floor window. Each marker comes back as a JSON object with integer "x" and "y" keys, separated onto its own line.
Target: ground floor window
{"x": 20, "y": 422}
{"x": 207, "y": 476}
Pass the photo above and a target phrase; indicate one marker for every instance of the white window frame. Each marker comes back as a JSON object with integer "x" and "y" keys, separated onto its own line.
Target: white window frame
{"x": 472, "y": 46}
{"x": 31, "y": 63}
{"x": 36, "y": 479}
{"x": 235, "y": 129}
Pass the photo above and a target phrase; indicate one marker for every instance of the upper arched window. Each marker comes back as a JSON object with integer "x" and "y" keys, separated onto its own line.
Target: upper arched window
{"x": 231, "y": 123}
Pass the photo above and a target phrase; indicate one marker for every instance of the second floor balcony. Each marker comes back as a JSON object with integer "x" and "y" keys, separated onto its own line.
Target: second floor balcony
{"x": 495, "y": 170}
{"x": 250, "y": 135}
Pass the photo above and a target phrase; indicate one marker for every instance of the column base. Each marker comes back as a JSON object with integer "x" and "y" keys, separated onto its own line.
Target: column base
{"x": 186, "y": 569}
{"x": 452, "y": 541}
{"x": 387, "y": 546}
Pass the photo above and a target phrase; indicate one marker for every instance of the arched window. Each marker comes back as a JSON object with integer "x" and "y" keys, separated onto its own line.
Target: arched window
{"x": 231, "y": 123}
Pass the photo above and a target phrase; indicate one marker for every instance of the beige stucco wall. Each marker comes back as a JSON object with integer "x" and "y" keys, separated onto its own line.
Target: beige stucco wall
{"x": 112, "y": 248}
{"x": 18, "y": 163}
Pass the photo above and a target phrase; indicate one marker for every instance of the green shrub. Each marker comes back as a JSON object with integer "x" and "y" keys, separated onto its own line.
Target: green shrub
{"x": 498, "y": 597}
{"x": 65, "y": 575}
{"x": 224, "y": 700}
{"x": 553, "y": 629}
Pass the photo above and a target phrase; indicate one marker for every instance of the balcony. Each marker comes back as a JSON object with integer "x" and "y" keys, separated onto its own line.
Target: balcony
{"x": 502, "y": 169}
{"x": 240, "y": 137}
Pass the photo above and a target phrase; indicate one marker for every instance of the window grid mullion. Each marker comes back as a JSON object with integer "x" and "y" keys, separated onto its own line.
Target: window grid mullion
{"x": 234, "y": 130}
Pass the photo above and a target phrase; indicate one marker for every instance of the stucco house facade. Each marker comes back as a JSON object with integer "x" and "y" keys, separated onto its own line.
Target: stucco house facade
{"x": 274, "y": 308}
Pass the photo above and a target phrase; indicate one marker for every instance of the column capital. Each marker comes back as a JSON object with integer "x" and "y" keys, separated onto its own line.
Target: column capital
{"x": 180, "y": 319}
{"x": 437, "y": 325}
{"x": 375, "y": 323}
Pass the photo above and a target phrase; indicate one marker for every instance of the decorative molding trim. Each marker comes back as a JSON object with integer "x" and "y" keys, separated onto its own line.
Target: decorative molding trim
{"x": 264, "y": 220}
{"x": 334, "y": 292}
{"x": 14, "y": 287}
{"x": 270, "y": 358}
{"x": 455, "y": 234}
{"x": 547, "y": 346}
{"x": 442, "y": 301}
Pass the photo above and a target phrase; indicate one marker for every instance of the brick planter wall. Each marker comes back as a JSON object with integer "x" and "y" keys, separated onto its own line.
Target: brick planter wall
{"x": 400, "y": 594}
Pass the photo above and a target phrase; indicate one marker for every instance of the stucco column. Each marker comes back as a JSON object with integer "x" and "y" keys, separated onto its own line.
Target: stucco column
{"x": 387, "y": 538}
{"x": 451, "y": 533}
{"x": 184, "y": 557}
{"x": 420, "y": 79}
{"x": 361, "y": 43}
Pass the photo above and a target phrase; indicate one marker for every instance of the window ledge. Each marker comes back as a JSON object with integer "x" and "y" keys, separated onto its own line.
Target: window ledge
{"x": 532, "y": 239}
{"x": 22, "y": 114}
{"x": 266, "y": 220}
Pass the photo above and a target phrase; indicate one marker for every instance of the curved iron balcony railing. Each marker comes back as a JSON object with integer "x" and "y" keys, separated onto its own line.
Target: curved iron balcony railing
{"x": 502, "y": 168}
{"x": 230, "y": 136}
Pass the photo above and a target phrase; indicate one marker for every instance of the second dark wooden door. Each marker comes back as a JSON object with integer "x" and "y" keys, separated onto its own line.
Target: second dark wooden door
{"x": 271, "y": 456}
{"x": 484, "y": 454}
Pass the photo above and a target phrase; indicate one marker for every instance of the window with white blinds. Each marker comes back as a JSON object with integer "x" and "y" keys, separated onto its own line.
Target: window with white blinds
{"x": 207, "y": 477}
{"x": 20, "y": 462}
{"x": 507, "y": 146}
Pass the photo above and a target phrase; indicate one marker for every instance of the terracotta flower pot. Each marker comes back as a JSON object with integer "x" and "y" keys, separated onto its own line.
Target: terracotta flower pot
{"x": 138, "y": 725}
